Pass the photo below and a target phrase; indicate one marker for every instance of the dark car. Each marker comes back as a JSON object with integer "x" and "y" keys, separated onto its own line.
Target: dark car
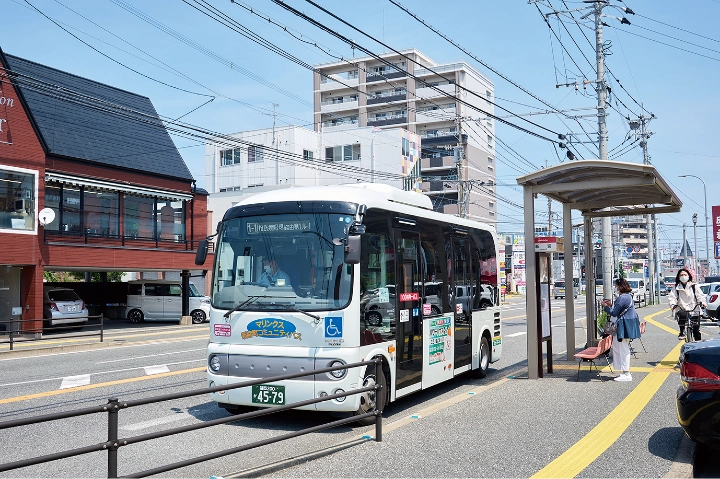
{"x": 698, "y": 398}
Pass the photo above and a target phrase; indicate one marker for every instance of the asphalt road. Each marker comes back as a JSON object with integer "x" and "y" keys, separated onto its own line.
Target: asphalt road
{"x": 59, "y": 382}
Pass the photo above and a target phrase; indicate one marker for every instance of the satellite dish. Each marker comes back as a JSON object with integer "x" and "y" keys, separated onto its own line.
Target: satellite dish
{"x": 46, "y": 216}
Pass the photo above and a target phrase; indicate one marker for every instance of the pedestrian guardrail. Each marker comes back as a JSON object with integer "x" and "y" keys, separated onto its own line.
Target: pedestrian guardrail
{"x": 114, "y": 405}
{"x": 18, "y": 332}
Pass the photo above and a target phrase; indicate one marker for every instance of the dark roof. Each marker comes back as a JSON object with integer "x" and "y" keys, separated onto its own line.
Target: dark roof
{"x": 90, "y": 132}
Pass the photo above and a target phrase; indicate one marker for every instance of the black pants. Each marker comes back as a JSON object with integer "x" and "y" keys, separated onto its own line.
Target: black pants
{"x": 694, "y": 324}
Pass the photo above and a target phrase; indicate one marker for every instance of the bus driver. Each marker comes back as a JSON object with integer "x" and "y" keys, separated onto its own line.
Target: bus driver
{"x": 272, "y": 274}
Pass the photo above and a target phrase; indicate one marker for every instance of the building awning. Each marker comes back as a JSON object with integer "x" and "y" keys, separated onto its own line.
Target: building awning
{"x": 117, "y": 187}
{"x": 605, "y": 188}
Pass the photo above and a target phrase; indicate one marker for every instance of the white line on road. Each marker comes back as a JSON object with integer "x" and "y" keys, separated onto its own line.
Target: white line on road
{"x": 160, "y": 368}
{"x": 156, "y": 422}
{"x": 150, "y": 356}
{"x": 515, "y": 334}
{"x": 75, "y": 381}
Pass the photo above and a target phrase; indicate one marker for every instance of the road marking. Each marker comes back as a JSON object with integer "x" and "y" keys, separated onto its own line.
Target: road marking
{"x": 660, "y": 325}
{"x": 633, "y": 369}
{"x": 159, "y": 369}
{"x": 45, "y": 394}
{"x": 156, "y": 422}
{"x": 580, "y": 455}
{"x": 150, "y": 355}
{"x": 75, "y": 381}
{"x": 49, "y": 343}
{"x": 515, "y": 334}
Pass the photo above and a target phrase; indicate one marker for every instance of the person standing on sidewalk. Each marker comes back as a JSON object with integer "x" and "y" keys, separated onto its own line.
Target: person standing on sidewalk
{"x": 685, "y": 300}
{"x": 628, "y": 327}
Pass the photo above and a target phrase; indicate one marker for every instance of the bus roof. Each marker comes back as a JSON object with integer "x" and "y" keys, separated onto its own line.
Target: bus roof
{"x": 373, "y": 195}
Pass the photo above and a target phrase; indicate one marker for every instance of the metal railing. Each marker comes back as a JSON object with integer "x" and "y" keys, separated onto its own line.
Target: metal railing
{"x": 114, "y": 405}
{"x": 124, "y": 241}
{"x": 21, "y": 332}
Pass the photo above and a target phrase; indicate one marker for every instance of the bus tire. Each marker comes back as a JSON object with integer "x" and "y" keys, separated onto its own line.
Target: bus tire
{"x": 373, "y": 318}
{"x": 481, "y": 371}
{"x": 368, "y": 399}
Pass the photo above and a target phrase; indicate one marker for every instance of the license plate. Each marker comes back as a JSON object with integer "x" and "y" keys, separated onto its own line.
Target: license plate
{"x": 72, "y": 309}
{"x": 266, "y": 394}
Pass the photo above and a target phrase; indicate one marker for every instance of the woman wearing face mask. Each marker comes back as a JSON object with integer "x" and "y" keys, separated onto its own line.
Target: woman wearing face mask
{"x": 628, "y": 327}
{"x": 685, "y": 300}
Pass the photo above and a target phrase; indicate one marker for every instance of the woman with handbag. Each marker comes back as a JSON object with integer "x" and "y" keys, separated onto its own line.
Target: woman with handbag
{"x": 685, "y": 301}
{"x": 626, "y": 326}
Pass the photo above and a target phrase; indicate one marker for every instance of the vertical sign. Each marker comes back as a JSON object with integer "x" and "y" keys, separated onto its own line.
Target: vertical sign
{"x": 716, "y": 230}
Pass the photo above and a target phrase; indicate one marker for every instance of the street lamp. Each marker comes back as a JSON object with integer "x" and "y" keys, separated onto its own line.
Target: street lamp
{"x": 697, "y": 269}
{"x": 707, "y": 220}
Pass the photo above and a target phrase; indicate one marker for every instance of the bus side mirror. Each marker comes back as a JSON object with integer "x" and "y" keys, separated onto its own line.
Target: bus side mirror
{"x": 202, "y": 252}
{"x": 352, "y": 249}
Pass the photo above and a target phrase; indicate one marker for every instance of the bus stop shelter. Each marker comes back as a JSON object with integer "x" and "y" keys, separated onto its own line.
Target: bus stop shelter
{"x": 597, "y": 189}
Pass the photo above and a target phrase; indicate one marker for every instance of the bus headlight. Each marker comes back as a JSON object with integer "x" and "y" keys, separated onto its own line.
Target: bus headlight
{"x": 214, "y": 364}
{"x": 340, "y": 373}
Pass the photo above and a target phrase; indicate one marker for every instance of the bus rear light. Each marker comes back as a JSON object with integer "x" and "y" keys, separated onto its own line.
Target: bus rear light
{"x": 391, "y": 349}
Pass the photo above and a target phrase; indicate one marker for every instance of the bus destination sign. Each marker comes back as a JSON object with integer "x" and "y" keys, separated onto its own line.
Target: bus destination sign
{"x": 278, "y": 227}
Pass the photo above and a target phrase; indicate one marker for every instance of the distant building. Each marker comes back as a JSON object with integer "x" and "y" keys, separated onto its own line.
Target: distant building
{"x": 371, "y": 93}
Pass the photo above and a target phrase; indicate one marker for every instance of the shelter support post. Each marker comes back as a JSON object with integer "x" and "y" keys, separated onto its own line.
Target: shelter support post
{"x": 531, "y": 299}
{"x": 569, "y": 284}
{"x": 590, "y": 283}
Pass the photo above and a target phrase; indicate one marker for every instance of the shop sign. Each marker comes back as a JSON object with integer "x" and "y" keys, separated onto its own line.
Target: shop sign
{"x": 716, "y": 229}
{"x": 4, "y": 128}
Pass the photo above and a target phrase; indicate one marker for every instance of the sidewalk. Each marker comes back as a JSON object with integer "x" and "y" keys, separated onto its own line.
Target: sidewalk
{"x": 508, "y": 426}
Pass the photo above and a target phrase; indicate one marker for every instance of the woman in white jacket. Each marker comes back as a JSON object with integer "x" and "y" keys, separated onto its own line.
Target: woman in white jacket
{"x": 685, "y": 298}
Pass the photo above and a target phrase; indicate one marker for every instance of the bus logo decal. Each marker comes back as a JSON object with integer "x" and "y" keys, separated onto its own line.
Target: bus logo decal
{"x": 271, "y": 328}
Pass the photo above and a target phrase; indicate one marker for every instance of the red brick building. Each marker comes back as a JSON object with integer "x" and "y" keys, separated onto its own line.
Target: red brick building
{"x": 98, "y": 162}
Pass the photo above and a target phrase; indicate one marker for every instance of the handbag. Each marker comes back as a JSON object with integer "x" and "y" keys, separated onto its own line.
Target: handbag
{"x": 611, "y": 326}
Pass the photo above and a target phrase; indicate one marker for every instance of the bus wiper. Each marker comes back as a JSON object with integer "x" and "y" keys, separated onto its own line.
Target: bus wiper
{"x": 293, "y": 308}
{"x": 250, "y": 299}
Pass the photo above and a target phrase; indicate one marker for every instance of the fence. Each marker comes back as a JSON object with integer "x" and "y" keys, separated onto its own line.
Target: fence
{"x": 14, "y": 332}
{"x": 113, "y": 406}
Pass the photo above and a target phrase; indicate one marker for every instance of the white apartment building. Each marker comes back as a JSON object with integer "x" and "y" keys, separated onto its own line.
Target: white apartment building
{"x": 367, "y": 92}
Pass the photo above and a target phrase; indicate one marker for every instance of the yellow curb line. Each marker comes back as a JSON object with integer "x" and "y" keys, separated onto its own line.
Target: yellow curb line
{"x": 580, "y": 455}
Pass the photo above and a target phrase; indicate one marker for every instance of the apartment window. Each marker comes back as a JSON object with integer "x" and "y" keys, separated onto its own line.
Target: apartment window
{"x": 353, "y": 97}
{"x": 490, "y": 168}
{"x": 488, "y": 95}
{"x": 492, "y": 213}
{"x": 101, "y": 212}
{"x": 490, "y": 161}
{"x": 337, "y": 100}
{"x": 230, "y": 157}
{"x": 491, "y": 205}
{"x": 307, "y": 155}
{"x": 255, "y": 154}
{"x": 352, "y": 74}
{"x": 223, "y": 190}
{"x": 491, "y": 183}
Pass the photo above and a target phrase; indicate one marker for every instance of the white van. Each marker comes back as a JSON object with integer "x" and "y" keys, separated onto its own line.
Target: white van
{"x": 161, "y": 300}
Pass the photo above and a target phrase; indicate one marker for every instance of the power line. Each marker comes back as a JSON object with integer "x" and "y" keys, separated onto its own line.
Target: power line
{"x": 677, "y": 28}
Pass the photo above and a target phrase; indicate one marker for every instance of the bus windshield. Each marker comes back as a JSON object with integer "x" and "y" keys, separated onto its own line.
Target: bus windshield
{"x": 283, "y": 262}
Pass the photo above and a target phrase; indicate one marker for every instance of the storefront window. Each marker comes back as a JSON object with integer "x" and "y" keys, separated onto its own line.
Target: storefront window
{"x": 138, "y": 219}
{"x": 171, "y": 220}
{"x": 17, "y": 200}
{"x": 52, "y": 201}
{"x": 101, "y": 213}
{"x": 71, "y": 218}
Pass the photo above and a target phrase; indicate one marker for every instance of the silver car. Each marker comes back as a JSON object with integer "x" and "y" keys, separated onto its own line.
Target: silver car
{"x": 62, "y": 306}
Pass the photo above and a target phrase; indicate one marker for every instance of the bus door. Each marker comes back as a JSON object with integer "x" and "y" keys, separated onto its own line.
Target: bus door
{"x": 465, "y": 288}
{"x": 409, "y": 311}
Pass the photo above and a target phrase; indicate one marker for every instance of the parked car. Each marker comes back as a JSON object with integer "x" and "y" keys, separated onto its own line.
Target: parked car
{"x": 713, "y": 300}
{"x": 378, "y": 306}
{"x": 62, "y": 306}
{"x": 598, "y": 287}
{"x": 698, "y": 397}
{"x": 161, "y": 300}
{"x": 664, "y": 289}
{"x": 559, "y": 290}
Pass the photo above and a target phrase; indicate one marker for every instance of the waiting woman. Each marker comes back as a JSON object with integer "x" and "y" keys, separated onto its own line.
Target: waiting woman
{"x": 628, "y": 327}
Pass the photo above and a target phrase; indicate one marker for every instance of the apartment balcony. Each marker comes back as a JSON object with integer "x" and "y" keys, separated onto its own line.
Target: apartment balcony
{"x": 451, "y": 209}
{"x": 433, "y": 116}
{"x": 428, "y": 92}
{"x": 634, "y": 241}
{"x": 439, "y": 187}
{"x": 440, "y": 163}
{"x": 386, "y": 98}
{"x": 332, "y": 107}
{"x": 385, "y": 121}
{"x": 375, "y": 77}
{"x": 334, "y": 85}
{"x": 337, "y": 126}
{"x": 442, "y": 138}
{"x": 633, "y": 231}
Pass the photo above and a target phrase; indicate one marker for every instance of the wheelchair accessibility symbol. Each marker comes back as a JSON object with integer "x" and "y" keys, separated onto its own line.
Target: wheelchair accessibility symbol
{"x": 333, "y": 326}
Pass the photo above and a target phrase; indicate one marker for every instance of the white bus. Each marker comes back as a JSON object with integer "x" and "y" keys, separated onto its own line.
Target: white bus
{"x": 317, "y": 277}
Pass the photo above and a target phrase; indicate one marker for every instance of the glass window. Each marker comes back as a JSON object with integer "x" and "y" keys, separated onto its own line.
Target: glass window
{"x": 170, "y": 220}
{"x": 71, "y": 219}
{"x": 152, "y": 290}
{"x": 138, "y": 217}
{"x": 17, "y": 200}
{"x": 255, "y": 153}
{"x": 174, "y": 290}
{"x": 135, "y": 289}
{"x": 52, "y": 201}
{"x": 347, "y": 153}
{"x": 101, "y": 213}
{"x": 307, "y": 155}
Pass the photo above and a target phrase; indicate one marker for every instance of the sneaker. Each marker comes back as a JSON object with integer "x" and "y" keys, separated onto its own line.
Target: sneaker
{"x": 681, "y": 336}
{"x": 623, "y": 377}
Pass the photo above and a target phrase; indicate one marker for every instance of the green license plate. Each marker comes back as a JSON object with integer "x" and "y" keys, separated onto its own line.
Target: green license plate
{"x": 266, "y": 394}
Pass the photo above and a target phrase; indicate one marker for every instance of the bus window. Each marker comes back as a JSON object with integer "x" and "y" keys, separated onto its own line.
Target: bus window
{"x": 463, "y": 283}
{"x": 434, "y": 284}
{"x": 377, "y": 282}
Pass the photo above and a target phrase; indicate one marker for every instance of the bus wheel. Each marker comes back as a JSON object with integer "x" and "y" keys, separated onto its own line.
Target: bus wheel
{"x": 136, "y": 316}
{"x": 370, "y": 398}
{"x": 481, "y": 372}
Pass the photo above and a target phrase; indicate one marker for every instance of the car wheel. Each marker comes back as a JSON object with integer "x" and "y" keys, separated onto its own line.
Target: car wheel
{"x": 136, "y": 316}
{"x": 481, "y": 371}
{"x": 198, "y": 316}
{"x": 373, "y": 318}
{"x": 370, "y": 398}
{"x": 435, "y": 310}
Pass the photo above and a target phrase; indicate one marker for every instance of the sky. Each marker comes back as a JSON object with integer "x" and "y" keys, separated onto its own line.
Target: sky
{"x": 200, "y": 58}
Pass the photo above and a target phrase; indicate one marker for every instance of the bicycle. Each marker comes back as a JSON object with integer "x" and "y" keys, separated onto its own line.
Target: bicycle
{"x": 692, "y": 321}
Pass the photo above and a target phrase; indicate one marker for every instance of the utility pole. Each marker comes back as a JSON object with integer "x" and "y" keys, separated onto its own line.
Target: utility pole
{"x": 644, "y": 134}
{"x": 277, "y": 163}
{"x": 695, "y": 254}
